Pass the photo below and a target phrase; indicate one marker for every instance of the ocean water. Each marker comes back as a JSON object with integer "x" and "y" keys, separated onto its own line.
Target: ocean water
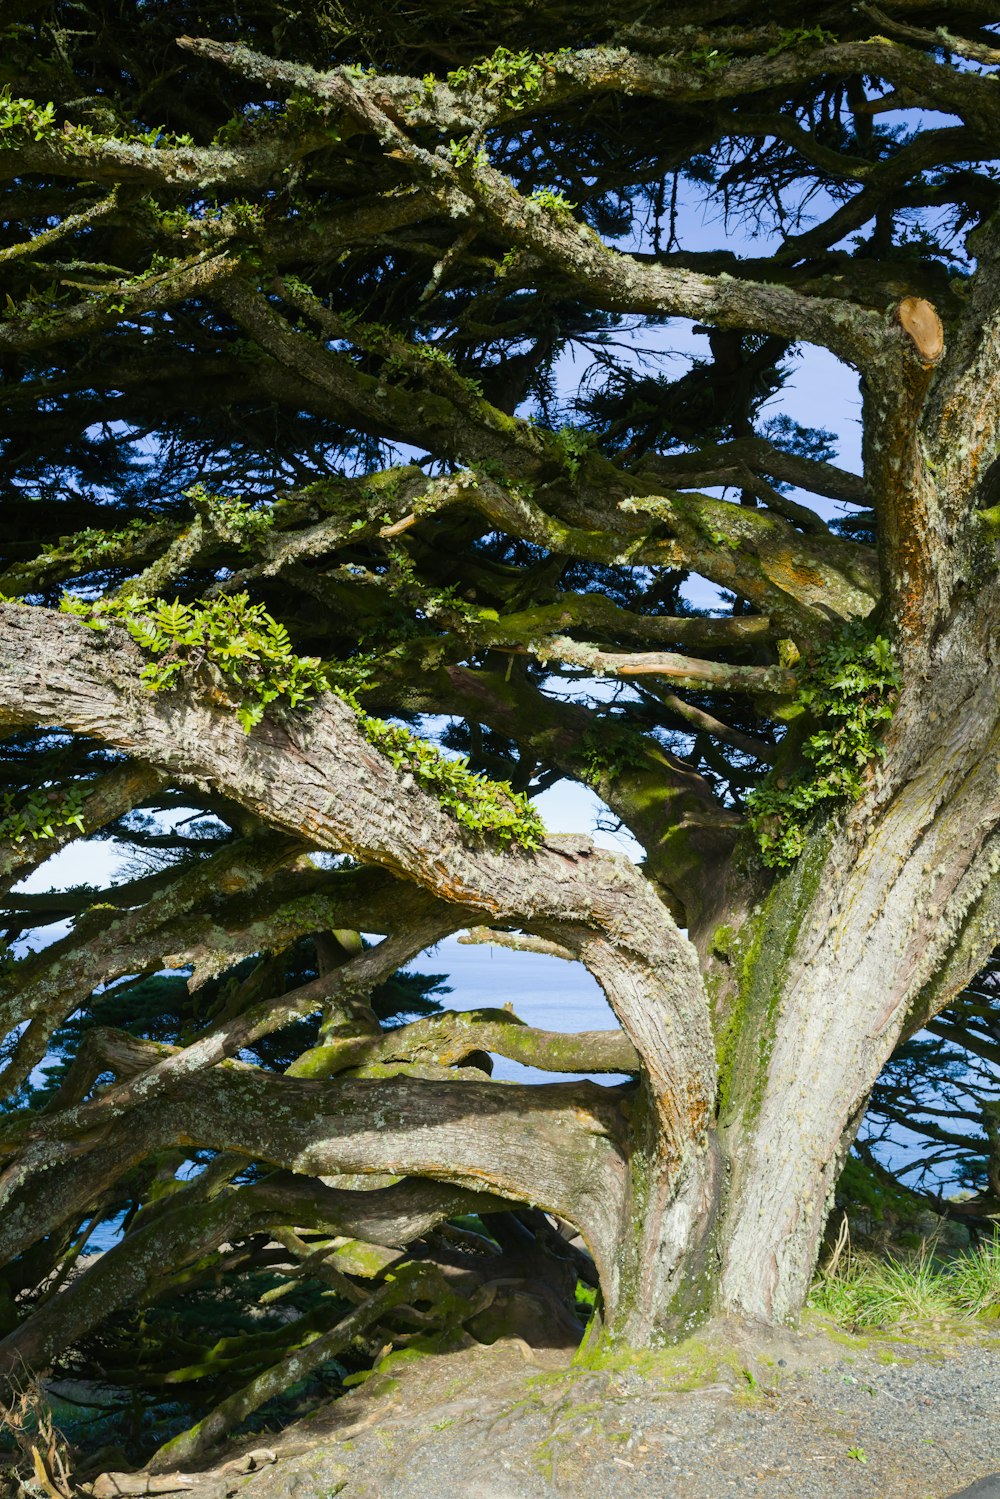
{"x": 545, "y": 992}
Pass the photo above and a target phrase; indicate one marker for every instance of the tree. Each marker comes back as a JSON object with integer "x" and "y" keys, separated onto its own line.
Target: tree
{"x": 291, "y": 301}
{"x": 940, "y": 1088}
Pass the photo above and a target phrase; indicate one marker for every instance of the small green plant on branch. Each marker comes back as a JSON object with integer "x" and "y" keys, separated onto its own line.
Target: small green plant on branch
{"x": 237, "y": 521}
{"x": 572, "y": 444}
{"x": 251, "y": 651}
{"x": 464, "y": 151}
{"x": 24, "y": 117}
{"x": 610, "y": 748}
{"x": 516, "y": 77}
{"x": 849, "y": 693}
{"x": 92, "y": 545}
{"x": 481, "y": 806}
{"x": 552, "y": 200}
{"x": 41, "y": 812}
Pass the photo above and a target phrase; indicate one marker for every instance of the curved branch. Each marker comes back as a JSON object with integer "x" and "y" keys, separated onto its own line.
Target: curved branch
{"x": 316, "y": 776}
{"x": 448, "y": 1039}
{"x": 191, "y": 1227}
{"x": 559, "y": 1146}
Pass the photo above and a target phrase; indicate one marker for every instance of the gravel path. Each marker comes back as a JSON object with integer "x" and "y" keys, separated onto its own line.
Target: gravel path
{"x": 805, "y": 1418}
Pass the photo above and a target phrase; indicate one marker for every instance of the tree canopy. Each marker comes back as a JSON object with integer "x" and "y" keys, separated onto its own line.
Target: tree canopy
{"x": 392, "y": 429}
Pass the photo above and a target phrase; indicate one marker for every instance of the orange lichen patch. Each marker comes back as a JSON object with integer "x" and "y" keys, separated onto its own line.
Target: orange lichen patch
{"x": 796, "y": 577}
{"x": 920, "y": 321}
{"x": 803, "y": 574}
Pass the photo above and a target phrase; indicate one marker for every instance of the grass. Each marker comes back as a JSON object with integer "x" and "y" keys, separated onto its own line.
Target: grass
{"x": 869, "y": 1291}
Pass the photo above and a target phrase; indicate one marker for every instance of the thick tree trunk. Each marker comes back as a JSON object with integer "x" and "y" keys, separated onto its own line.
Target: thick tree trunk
{"x": 883, "y": 919}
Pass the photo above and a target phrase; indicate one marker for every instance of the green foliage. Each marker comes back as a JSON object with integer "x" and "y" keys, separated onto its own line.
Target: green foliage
{"x": 801, "y": 36}
{"x": 552, "y": 201}
{"x": 434, "y": 354}
{"x": 406, "y": 361}
{"x": 42, "y": 812}
{"x": 464, "y": 151}
{"x": 572, "y": 444}
{"x": 303, "y": 108}
{"x": 24, "y": 117}
{"x": 483, "y": 807}
{"x": 708, "y": 59}
{"x": 611, "y": 747}
{"x": 243, "y": 524}
{"x": 877, "y": 1198}
{"x": 874, "y": 1292}
{"x": 250, "y": 650}
{"x": 253, "y": 654}
{"x": 848, "y": 693}
{"x": 159, "y": 135}
{"x": 715, "y": 59}
{"x": 515, "y": 77}
{"x": 92, "y": 546}
{"x": 20, "y": 118}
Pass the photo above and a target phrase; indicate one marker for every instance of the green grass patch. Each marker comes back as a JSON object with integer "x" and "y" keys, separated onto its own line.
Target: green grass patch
{"x": 869, "y": 1291}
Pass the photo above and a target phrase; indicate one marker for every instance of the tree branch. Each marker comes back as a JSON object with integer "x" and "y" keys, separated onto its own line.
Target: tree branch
{"x": 59, "y": 672}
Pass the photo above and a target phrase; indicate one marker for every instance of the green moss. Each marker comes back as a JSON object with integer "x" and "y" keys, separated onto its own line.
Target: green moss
{"x": 759, "y": 954}
{"x": 359, "y": 1258}
{"x": 688, "y": 1365}
{"x": 722, "y": 940}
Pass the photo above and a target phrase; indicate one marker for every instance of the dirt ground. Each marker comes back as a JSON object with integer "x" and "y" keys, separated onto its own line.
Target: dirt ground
{"x": 807, "y": 1415}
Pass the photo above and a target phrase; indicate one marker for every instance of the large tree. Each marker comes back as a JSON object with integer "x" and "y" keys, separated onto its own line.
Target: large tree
{"x": 296, "y": 452}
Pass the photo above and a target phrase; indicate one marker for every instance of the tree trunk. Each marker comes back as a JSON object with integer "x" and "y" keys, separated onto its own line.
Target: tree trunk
{"x": 883, "y": 919}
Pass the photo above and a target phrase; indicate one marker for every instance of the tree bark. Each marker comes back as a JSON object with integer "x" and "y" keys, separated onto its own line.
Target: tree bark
{"x": 891, "y": 909}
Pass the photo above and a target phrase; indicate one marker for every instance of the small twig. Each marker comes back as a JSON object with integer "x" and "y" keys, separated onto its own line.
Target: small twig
{"x": 400, "y": 526}
{"x": 843, "y": 1244}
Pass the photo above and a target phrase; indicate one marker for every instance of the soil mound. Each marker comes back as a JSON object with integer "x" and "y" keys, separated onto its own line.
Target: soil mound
{"x": 809, "y": 1415}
